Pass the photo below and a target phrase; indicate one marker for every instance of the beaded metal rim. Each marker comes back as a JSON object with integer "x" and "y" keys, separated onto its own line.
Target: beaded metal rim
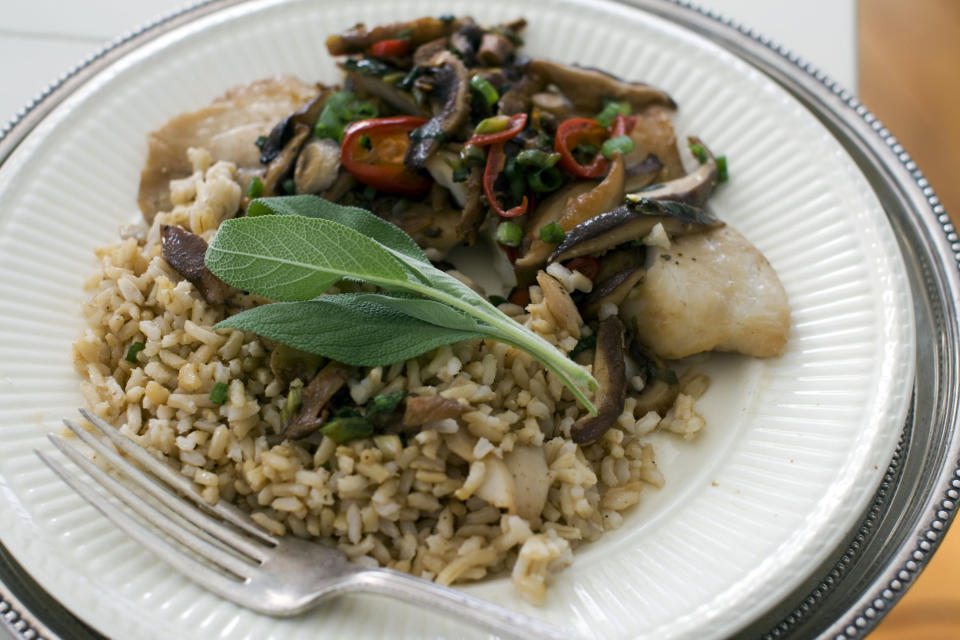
{"x": 858, "y": 621}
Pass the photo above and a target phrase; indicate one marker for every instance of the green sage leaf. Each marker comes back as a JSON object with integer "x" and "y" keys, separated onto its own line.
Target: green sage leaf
{"x": 353, "y": 328}
{"x": 358, "y": 219}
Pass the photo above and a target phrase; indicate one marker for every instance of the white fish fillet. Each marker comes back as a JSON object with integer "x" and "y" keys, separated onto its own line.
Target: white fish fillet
{"x": 709, "y": 291}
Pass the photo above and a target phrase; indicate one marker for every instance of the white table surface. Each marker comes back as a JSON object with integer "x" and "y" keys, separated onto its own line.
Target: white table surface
{"x": 42, "y": 39}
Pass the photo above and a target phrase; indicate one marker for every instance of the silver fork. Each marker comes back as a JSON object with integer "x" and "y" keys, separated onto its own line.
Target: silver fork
{"x": 277, "y": 576}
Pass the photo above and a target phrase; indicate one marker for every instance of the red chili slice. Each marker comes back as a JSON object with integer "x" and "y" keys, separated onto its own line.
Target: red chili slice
{"x": 514, "y": 126}
{"x": 496, "y": 160}
{"x": 373, "y": 149}
{"x": 390, "y": 48}
{"x": 576, "y": 131}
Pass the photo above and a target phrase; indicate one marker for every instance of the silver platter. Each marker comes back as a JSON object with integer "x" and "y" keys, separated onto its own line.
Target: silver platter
{"x": 915, "y": 503}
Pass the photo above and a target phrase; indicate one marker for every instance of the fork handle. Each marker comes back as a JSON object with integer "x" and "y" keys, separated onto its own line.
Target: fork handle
{"x": 430, "y": 595}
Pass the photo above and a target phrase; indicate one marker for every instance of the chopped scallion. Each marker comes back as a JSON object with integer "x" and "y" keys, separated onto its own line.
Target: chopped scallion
{"x": 509, "y": 233}
{"x": 537, "y": 159}
{"x": 722, "y": 175}
{"x": 342, "y": 430}
{"x": 584, "y": 344}
{"x": 620, "y": 144}
{"x": 132, "y": 351}
{"x": 473, "y": 156}
{"x": 461, "y": 173}
{"x": 261, "y": 142}
{"x": 218, "y": 395}
{"x": 610, "y": 112}
{"x": 496, "y": 300}
{"x": 486, "y": 90}
{"x": 552, "y": 233}
{"x": 496, "y": 124}
{"x": 255, "y": 190}
{"x": 365, "y": 142}
{"x": 699, "y": 152}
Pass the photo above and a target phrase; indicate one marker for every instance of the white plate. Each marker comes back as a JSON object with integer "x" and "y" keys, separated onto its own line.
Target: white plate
{"x": 794, "y": 446}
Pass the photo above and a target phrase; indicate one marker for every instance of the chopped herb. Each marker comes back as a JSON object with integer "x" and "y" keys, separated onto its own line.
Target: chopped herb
{"x": 339, "y": 110}
{"x": 394, "y": 78}
{"x": 535, "y": 158}
{"x": 385, "y": 403}
{"x": 699, "y": 152}
{"x": 620, "y": 144}
{"x": 365, "y": 142}
{"x": 496, "y": 300}
{"x": 255, "y": 190}
{"x": 261, "y": 141}
{"x": 509, "y": 233}
{"x": 132, "y": 351}
{"x": 289, "y": 186}
{"x": 495, "y": 124}
{"x": 218, "y": 395}
{"x": 546, "y": 180}
{"x": 446, "y": 18}
{"x": 552, "y": 233}
{"x": 461, "y": 173}
{"x": 473, "y": 156}
{"x": 722, "y": 175}
{"x": 584, "y": 344}
{"x": 293, "y": 401}
{"x": 407, "y": 83}
{"x": 610, "y": 112}
{"x": 342, "y": 430}
{"x": 482, "y": 86}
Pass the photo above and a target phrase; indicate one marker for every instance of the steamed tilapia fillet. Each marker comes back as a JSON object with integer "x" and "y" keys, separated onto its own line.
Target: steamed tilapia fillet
{"x": 709, "y": 291}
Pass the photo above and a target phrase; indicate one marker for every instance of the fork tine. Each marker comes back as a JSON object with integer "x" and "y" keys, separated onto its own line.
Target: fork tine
{"x": 179, "y": 482}
{"x": 197, "y": 571}
{"x": 179, "y": 506}
{"x": 196, "y": 544}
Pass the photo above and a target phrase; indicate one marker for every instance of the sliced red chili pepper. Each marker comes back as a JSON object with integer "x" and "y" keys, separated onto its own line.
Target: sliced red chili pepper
{"x": 390, "y": 48}
{"x": 514, "y": 126}
{"x": 587, "y": 265}
{"x": 373, "y": 149}
{"x": 496, "y": 160}
{"x": 576, "y": 131}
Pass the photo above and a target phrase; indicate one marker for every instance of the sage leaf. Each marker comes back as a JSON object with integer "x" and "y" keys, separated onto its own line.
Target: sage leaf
{"x": 357, "y": 329}
{"x": 291, "y": 258}
{"x": 358, "y": 219}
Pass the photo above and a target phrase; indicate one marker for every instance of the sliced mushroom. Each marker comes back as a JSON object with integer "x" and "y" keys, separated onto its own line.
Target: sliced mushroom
{"x": 550, "y": 210}
{"x": 340, "y": 187}
{"x": 560, "y": 304}
{"x": 228, "y": 128}
{"x": 474, "y": 213}
{"x": 641, "y": 174}
{"x": 315, "y": 397}
{"x": 627, "y": 223}
{"x": 495, "y": 50}
{"x": 421, "y": 410}
{"x": 556, "y": 104}
{"x": 283, "y": 131}
{"x": 440, "y": 167}
{"x": 282, "y": 164}
{"x": 359, "y": 38}
{"x": 576, "y": 210}
{"x": 519, "y": 97}
{"x": 531, "y": 480}
{"x": 400, "y": 100}
{"x": 425, "y": 52}
{"x": 432, "y": 230}
{"x": 620, "y": 272}
{"x": 693, "y": 189}
{"x": 184, "y": 251}
{"x": 449, "y": 92}
{"x": 609, "y": 369}
{"x": 317, "y": 166}
{"x": 653, "y": 134}
{"x": 587, "y": 88}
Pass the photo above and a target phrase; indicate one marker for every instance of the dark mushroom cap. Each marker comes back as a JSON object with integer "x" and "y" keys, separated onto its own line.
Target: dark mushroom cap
{"x": 609, "y": 368}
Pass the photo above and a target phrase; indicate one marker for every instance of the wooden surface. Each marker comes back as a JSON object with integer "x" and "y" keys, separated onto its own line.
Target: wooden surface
{"x": 909, "y": 70}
